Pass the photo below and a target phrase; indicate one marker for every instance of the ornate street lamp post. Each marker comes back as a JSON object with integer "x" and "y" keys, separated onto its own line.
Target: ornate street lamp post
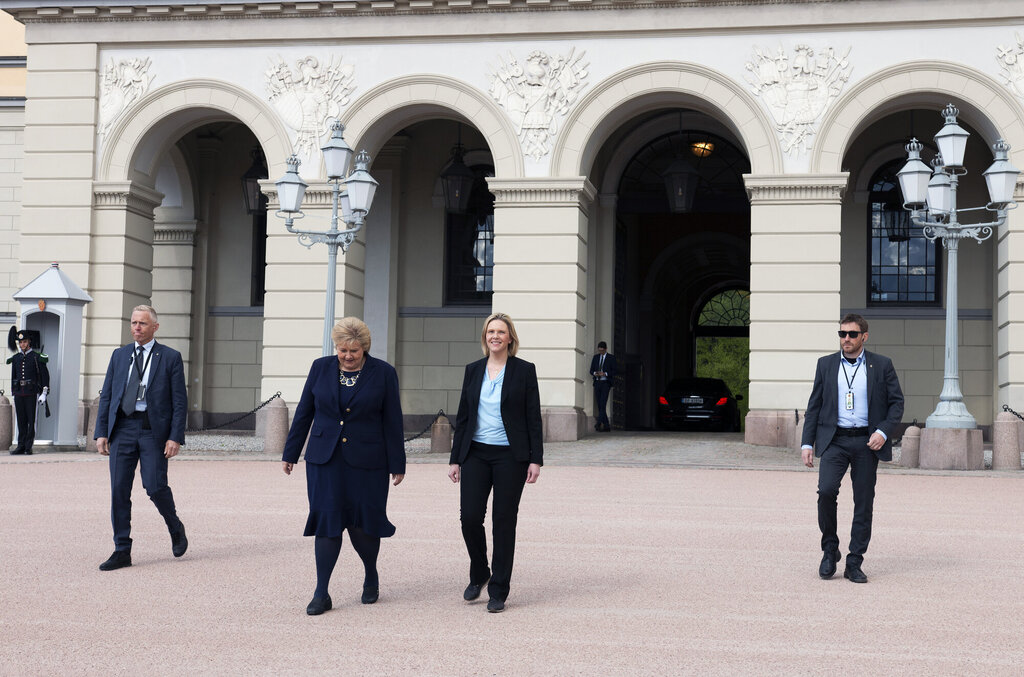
{"x": 930, "y": 196}
{"x": 354, "y": 204}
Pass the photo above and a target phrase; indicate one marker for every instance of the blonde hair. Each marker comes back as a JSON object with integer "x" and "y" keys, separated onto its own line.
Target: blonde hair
{"x": 147, "y": 309}
{"x": 513, "y": 337}
{"x": 351, "y": 330}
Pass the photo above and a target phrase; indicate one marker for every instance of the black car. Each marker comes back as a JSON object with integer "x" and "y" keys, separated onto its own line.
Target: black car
{"x": 698, "y": 403}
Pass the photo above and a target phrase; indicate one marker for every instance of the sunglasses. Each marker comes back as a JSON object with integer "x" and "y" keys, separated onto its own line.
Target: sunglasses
{"x": 851, "y": 334}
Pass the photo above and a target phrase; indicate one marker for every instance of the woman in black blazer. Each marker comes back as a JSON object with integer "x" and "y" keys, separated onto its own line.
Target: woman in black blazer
{"x": 352, "y": 413}
{"x": 498, "y": 444}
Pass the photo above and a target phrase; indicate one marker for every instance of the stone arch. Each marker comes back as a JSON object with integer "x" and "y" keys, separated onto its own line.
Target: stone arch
{"x": 656, "y": 85}
{"x": 377, "y": 115}
{"x": 989, "y": 107}
{"x": 135, "y": 143}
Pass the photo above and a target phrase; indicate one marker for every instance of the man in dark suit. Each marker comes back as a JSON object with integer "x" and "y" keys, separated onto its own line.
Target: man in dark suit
{"x": 602, "y": 368}
{"x": 30, "y": 383}
{"x": 855, "y": 405}
{"x": 141, "y": 421}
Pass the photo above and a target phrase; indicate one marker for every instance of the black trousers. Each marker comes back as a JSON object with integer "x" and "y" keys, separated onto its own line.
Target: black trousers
{"x": 601, "y": 390}
{"x": 25, "y": 408}
{"x": 843, "y": 453}
{"x": 487, "y": 467}
{"x": 131, "y": 445}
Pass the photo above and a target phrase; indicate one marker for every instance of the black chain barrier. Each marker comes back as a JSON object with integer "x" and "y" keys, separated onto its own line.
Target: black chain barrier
{"x": 1006, "y": 407}
{"x": 235, "y": 420}
{"x": 440, "y": 412}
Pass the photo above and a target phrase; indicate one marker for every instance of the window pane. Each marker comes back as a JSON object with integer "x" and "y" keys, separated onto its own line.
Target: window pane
{"x": 903, "y": 264}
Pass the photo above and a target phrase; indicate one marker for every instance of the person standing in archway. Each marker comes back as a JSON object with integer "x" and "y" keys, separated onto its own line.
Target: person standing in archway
{"x": 602, "y": 368}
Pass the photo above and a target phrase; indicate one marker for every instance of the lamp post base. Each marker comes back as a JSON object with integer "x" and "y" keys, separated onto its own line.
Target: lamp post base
{"x": 951, "y": 449}
{"x": 951, "y": 414}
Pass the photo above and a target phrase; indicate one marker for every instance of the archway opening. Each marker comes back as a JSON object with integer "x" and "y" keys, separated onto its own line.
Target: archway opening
{"x": 673, "y": 255}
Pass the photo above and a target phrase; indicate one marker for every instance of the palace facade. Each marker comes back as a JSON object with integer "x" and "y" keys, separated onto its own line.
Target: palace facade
{"x": 670, "y": 176}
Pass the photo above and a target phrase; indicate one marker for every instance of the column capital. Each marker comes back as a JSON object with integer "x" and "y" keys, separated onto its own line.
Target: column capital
{"x": 126, "y": 195}
{"x": 796, "y": 188}
{"x": 542, "y": 192}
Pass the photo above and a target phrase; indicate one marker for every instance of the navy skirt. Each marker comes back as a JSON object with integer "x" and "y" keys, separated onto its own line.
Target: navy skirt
{"x": 341, "y": 496}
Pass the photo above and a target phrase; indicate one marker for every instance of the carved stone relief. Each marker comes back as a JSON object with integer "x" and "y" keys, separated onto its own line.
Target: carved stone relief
{"x": 310, "y": 98}
{"x": 535, "y": 92}
{"x": 123, "y": 83}
{"x": 798, "y": 89}
{"x": 1011, "y": 61}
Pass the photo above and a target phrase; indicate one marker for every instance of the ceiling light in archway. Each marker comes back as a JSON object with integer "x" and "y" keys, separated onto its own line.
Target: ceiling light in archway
{"x": 702, "y": 148}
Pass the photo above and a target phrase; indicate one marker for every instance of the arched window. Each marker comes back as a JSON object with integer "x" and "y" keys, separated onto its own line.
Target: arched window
{"x": 904, "y": 265}
{"x": 470, "y": 246}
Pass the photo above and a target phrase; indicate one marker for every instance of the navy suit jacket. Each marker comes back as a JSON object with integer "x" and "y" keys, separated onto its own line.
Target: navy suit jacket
{"x": 166, "y": 398}
{"x": 520, "y": 411}
{"x": 885, "y": 402}
{"x": 370, "y": 428}
{"x": 609, "y": 366}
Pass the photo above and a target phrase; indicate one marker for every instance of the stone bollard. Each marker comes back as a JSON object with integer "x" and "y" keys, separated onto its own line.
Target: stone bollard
{"x": 94, "y": 410}
{"x": 1005, "y": 445}
{"x": 441, "y": 436}
{"x": 6, "y": 423}
{"x": 273, "y": 419}
{"x": 910, "y": 447}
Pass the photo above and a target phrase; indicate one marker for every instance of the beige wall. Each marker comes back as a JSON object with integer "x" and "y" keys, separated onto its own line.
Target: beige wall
{"x": 12, "y": 140}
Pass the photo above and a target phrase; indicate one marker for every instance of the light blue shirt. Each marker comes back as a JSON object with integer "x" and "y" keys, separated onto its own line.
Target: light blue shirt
{"x": 140, "y": 405}
{"x": 858, "y": 416}
{"x": 489, "y": 428}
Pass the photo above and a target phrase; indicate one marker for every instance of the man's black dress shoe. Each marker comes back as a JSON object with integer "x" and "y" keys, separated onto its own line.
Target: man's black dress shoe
{"x": 495, "y": 606}
{"x": 179, "y": 544}
{"x": 27, "y": 452}
{"x": 473, "y": 590}
{"x": 17, "y": 452}
{"x": 119, "y": 560}
{"x": 319, "y": 605}
{"x": 854, "y": 574}
{"x": 371, "y": 593}
{"x": 827, "y": 569}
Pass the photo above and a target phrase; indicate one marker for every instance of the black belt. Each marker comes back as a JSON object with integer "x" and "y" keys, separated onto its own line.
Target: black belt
{"x": 853, "y": 432}
{"x": 137, "y": 416}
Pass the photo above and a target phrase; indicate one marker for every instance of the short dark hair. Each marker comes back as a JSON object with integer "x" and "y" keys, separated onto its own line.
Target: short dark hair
{"x": 854, "y": 318}
{"x": 602, "y": 344}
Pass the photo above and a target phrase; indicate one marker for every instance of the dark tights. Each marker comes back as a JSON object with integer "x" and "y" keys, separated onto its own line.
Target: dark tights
{"x": 326, "y": 550}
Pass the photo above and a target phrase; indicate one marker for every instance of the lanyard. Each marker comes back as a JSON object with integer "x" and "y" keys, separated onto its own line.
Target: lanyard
{"x": 849, "y": 379}
{"x": 149, "y": 356}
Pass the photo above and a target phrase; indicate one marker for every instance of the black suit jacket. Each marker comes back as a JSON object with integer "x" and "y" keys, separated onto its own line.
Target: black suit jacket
{"x": 885, "y": 402}
{"x": 370, "y": 427}
{"x": 166, "y": 398}
{"x": 609, "y": 366}
{"x": 520, "y": 411}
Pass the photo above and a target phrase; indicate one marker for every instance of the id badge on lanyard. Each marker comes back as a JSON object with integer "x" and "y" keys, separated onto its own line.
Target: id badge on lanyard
{"x": 849, "y": 400}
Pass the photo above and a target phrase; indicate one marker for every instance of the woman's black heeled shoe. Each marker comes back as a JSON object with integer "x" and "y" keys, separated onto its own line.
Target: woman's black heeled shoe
{"x": 370, "y": 594}
{"x": 319, "y": 605}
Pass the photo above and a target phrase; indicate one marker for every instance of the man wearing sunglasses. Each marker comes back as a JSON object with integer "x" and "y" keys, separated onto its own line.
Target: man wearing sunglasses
{"x": 855, "y": 405}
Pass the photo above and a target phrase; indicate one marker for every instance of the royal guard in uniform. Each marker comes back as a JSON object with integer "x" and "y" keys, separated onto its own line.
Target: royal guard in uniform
{"x": 30, "y": 383}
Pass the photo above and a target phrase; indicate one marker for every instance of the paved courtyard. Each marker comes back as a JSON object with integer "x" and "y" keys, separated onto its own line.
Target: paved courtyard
{"x": 638, "y": 555}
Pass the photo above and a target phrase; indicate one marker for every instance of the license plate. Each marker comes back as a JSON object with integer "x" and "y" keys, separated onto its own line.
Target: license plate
{"x": 693, "y": 400}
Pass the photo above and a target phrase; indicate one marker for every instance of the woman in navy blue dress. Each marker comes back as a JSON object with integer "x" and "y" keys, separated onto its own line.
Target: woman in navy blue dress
{"x": 351, "y": 411}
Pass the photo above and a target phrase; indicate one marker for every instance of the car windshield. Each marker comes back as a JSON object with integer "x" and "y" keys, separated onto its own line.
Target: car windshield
{"x": 698, "y": 384}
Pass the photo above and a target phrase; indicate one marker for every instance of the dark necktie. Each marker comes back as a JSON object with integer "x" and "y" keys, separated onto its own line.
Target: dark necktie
{"x": 131, "y": 391}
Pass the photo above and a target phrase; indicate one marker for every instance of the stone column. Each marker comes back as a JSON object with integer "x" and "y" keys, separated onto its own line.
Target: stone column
{"x": 1009, "y": 311}
{"x": 122, "y": 269}
{"x": 540, "y": 279}
{"x": 56, "y": 221}
{"x": 795, "y": 235}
